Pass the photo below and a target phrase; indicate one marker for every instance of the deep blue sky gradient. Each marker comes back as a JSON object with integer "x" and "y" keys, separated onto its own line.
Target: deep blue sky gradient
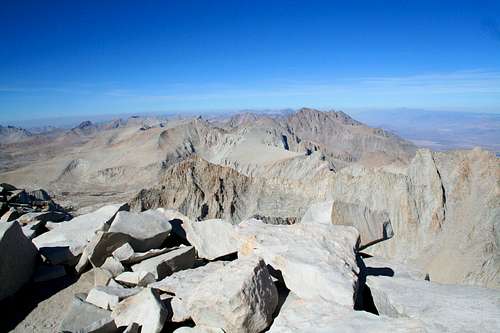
{"x": 67, "y": 58}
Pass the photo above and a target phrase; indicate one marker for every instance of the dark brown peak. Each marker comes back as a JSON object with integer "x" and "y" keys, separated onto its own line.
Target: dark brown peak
{"x": 84, "y": 124}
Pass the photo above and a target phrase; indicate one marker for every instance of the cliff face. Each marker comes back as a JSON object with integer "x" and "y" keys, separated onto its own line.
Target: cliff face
{"x": 203, "y": 190}
{"x": 200, "y": 190}
{"x": 445, "y": 212}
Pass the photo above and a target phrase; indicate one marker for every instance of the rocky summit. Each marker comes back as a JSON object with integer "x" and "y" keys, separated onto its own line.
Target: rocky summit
{"x": 307, "y": 221}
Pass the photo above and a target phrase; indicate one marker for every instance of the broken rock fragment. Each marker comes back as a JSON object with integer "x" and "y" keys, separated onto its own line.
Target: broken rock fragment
{"x": 144, "y": 308}
{"x": 240, "y": 297}
{"x": 165, "y": 264}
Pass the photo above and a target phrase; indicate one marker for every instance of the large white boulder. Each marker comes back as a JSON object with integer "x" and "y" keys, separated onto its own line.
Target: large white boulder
{"x": 165, "y": 264}
{"x": 17, "y": 258}
{"x": 147, "y": 230}
{"x": 66, "y": 242}
{"x": 144, "y": 308}
{"x": 443, "y": 308}
{"x": 212, "y": 238}
{"x": 315, "y": 260}
{"x": 240, "y": 297}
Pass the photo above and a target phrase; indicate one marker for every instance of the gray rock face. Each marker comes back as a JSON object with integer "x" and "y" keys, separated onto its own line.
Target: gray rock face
{"x": 101, "y": 276}
{"x": 168, "y": 263}
{"x": 144, "y": 308}
{"x": 316, "y": 260}
{"x": 113, "y": 266}
{"x": 17, "y": 258}
{"x": 443, "y": 308}
{"x": 320, "y": 316}
{"x": 443, "y": 209}
{"x": 126, "y": 254}
{"x": 102, "y": 246}
{"x": 373, "y": 226}
{"x": 83, "y": 317}
{"x": 318, "y": 213}
{"x": 240, "y": 297}
{"x": 51, "y": 216}
{"x": 69, "y": 238}
{"x": 147, "y": 231}
{"x": 40, "y": 195}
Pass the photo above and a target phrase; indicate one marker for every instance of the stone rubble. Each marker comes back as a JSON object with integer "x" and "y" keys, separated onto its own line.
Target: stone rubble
{"x": 251, "y": 277}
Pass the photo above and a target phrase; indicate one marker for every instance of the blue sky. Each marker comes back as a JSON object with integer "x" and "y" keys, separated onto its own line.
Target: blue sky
{"x": 69, "y": 58}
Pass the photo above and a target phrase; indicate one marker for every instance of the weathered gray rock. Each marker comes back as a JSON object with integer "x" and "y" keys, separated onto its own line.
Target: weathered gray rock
{"x": 83, "y": 317}
{"x": 183, "y": 283}
{"x": 101, "y": 276}
{"x": 5, "y": 187}
{"x": 211, "y": 238}
{"x": 144, "y": 308}
{"x": 315, "y": 260}
{"x": 165, "y": 264}
{"x": 18, "y": 197}
{"x": 39, "y": 195}
{"x": 113, "y": 266}
{"x": 52, "y": 216}
{"x": 126, "y": 254}
{"x": 17, "y": 258}
{"x": 69, "y": 238}
{"x": 102, "y": 246}
{"x": 107, "y": 297}
{"x": 443, "y": 308}
{"x": 140, "y": 279}
{"x": 240, "y": 297}
{"x": 147, "y": 231}
{"x": 321, "y": 316}
{"x": 373, "y": 226}
{"x": 391, "y": 267}
{"x": 178, "y": 309}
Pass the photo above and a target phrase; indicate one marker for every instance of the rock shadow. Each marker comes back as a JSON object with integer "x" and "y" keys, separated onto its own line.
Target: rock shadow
{"x": 18, "y": 306}
{"x": 363, "y": 299}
